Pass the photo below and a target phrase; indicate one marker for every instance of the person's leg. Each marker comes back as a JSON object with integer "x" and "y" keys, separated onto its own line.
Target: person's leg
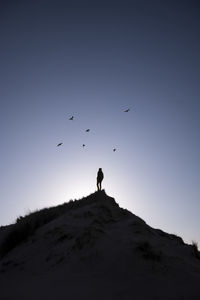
{"x": 100, "y": 185}
{"x": 97, "y": 186}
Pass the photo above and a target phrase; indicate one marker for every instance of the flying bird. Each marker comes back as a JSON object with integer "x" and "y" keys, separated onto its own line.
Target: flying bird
{"x": 114, "y": 149}
{"x": 83, "y": 145}
{"x": 60, "y": 144}
{"x": 72, "y": 118}
{"x": 87, "y": 130}
{"x": 127, "y": 110}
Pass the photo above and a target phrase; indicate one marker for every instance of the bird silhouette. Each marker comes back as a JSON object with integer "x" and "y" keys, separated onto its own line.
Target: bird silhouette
{"x": 83, "y": 145}
{"x": 114, "y": 149}
{"x": 127, "y": 110}
{"x": 87, "y": 130}
{"x": 72, "y": 118}
{"x": 60, "y": 144}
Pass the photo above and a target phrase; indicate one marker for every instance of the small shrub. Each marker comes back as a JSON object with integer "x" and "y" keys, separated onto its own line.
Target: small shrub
{"x": 177, "y": 238}
{"x": 61, "y": 259}
{"x": 196, "y": 252}
{"x": 19, "y": 219}
{"x": 64, "y": 237}
{"x": 148, "y": 252}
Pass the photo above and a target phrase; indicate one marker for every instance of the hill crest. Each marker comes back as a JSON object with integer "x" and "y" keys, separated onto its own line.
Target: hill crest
{"x": 95, "y": 237}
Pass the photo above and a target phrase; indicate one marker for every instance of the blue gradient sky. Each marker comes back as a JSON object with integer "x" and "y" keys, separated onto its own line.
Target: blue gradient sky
{"x": 94, "y": 59}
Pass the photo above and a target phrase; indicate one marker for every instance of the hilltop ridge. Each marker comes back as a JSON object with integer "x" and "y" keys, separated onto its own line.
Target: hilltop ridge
{"x": 93, "y": 249}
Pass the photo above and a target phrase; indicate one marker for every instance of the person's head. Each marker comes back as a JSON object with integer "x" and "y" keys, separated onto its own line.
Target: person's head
{"x": 100, "y": 169}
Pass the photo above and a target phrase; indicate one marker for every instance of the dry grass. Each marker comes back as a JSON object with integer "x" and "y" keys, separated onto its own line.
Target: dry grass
{"x": 25, "y": 227}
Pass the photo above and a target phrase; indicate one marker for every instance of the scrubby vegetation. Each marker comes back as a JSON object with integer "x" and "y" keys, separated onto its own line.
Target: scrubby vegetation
{"x": 27, "y": 225}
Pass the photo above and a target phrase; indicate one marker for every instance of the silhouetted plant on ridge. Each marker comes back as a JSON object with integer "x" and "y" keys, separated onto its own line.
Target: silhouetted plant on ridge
{"x": 195, "y": 249}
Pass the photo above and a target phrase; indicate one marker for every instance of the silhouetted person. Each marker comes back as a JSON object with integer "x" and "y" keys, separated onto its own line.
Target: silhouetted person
{"x": 99, "y": 179}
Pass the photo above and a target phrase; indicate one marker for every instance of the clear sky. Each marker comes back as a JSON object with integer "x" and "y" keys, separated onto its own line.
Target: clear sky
{"x": 93, "y": 60}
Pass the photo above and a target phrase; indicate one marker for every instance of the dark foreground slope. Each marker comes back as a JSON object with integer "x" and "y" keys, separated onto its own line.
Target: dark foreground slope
{"x": 93, "y": 249}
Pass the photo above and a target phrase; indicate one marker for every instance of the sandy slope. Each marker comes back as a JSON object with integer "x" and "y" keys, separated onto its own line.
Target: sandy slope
{"x": 97, "y": 250}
